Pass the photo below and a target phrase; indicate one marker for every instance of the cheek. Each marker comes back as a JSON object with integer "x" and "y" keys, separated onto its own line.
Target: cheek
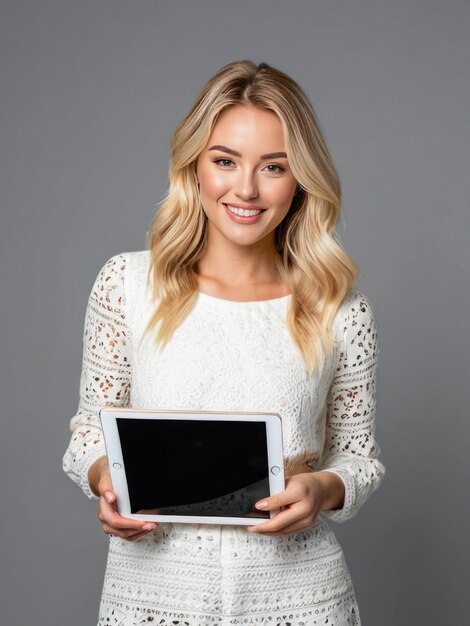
{"x": 280, "y": 195}
{"x": 213, "y": 185}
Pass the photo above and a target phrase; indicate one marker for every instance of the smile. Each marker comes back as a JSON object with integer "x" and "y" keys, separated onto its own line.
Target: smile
{"x": 244, "y": 212}
{"x": 243, "y": 216}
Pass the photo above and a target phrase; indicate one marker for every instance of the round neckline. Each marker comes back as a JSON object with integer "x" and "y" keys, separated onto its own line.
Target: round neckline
{"x": 224, "y": 300}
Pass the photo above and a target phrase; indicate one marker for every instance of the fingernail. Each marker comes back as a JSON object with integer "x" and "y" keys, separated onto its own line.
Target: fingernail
{"x": 148, "y": 526}
{"x": 109, "y": 496}
{"x": 261, "y": 505}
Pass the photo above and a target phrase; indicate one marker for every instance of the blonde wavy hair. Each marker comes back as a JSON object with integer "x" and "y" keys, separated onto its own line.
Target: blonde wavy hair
{"x": 310, "y": 259}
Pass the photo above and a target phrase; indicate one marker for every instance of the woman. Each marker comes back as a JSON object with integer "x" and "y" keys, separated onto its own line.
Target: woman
{"x": 252, "y": 304}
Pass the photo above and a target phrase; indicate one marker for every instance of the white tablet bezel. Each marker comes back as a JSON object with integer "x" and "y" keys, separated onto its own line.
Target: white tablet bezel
{"x": 273, "y": 422}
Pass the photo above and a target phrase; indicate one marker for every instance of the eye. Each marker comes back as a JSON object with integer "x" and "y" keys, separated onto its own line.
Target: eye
{"x": 226, "y": 160}
{"x": 280, "y": 168}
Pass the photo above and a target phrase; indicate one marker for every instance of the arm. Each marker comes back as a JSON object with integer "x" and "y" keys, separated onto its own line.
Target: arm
{"x": 350, "y": 450}
{"x": 106, "y": 370}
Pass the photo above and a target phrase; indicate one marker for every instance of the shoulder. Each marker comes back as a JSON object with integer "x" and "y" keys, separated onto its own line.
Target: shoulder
{"x": 112, "y": 280}
{"x": 356, "y": 309}
{"x": 359, "y": 330}
{"x": 356, "y": 327}
{"x": 117, "y": 267}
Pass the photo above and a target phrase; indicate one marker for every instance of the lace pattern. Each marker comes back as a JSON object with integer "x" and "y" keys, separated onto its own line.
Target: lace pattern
{"x": 106, "y": 370}
{"x": 218, "y": 574}
{"x": 350, "y": 449}
{"x": 342, "y": 612}
{"x": 207, "y": 574}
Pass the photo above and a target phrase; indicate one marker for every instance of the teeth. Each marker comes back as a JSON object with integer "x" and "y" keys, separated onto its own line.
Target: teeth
{"x": 243, "y": 212}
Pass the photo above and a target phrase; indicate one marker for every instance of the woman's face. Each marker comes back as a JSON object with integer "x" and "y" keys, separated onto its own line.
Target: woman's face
{"x": 244, "y": 165}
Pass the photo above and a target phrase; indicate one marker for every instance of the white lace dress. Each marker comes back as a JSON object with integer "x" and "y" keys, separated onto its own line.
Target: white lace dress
{"x": 230, "y": 355}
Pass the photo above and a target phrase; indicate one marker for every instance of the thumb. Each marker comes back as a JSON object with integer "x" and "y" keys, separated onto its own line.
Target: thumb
{"x": 109, "y": 496}
{"x": 275, "y": 501}
{"x": 106, "y": 487}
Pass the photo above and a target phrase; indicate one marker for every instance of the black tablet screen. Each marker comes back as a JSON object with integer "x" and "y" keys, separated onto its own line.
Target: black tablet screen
{"x": 195, "y": 467}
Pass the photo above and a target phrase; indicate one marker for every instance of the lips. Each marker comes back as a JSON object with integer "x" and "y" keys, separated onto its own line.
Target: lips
{"x": 243, "y": 219}
{"x": 247, "y": 207}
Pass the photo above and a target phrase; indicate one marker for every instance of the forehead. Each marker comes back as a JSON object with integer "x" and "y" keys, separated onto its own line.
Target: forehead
{"x": 249, "y": 128}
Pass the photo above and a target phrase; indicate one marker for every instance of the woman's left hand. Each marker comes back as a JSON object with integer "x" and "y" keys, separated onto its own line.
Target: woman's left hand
{"x": 303, "y": 499}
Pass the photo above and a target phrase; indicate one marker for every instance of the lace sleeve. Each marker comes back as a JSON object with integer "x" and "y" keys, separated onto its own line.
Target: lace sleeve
{"x": 350, "y": 450}
{"x": 106, "y": 370}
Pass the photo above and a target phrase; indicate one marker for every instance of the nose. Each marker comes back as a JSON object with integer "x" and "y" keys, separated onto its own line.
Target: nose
{"x": 246, "y": 186}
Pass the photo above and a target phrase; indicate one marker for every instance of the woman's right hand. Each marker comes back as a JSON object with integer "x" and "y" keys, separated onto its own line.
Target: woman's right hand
{"x": 112, "y": 522}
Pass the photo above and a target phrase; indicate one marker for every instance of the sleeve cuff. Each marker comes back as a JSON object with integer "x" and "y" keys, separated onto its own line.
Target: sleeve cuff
{"x": 346, "y": 512}
{"x": 93, "y": 455}
{"x": 79, "y": 473}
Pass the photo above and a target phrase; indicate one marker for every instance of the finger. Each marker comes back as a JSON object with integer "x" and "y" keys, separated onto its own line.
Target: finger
{"x": 110, "y": 516}
{"x": 292, "y": 494}
{"x": 124, "y": 534}
{"x": 138, "y": 536}
{"x": 109, "y": 496}
{"x": 289, "y": 516}
{"x": 112, "y": 532}
{"x": 290, "y": 528}
{"x": 105, "y": 489}
{"x": 131, "y": 524}
{"x": 293, "y": 528}
{"x": 105, "y": 485}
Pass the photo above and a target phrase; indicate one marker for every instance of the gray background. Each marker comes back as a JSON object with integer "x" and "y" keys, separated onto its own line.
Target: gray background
{"x": 91, "y": 92}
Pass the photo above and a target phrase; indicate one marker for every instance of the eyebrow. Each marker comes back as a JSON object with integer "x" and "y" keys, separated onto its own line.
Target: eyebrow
{"x": 271, "y": 155}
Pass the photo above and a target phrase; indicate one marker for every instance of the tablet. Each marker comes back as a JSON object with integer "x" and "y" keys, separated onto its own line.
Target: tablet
{"x": 193, "y": 466}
